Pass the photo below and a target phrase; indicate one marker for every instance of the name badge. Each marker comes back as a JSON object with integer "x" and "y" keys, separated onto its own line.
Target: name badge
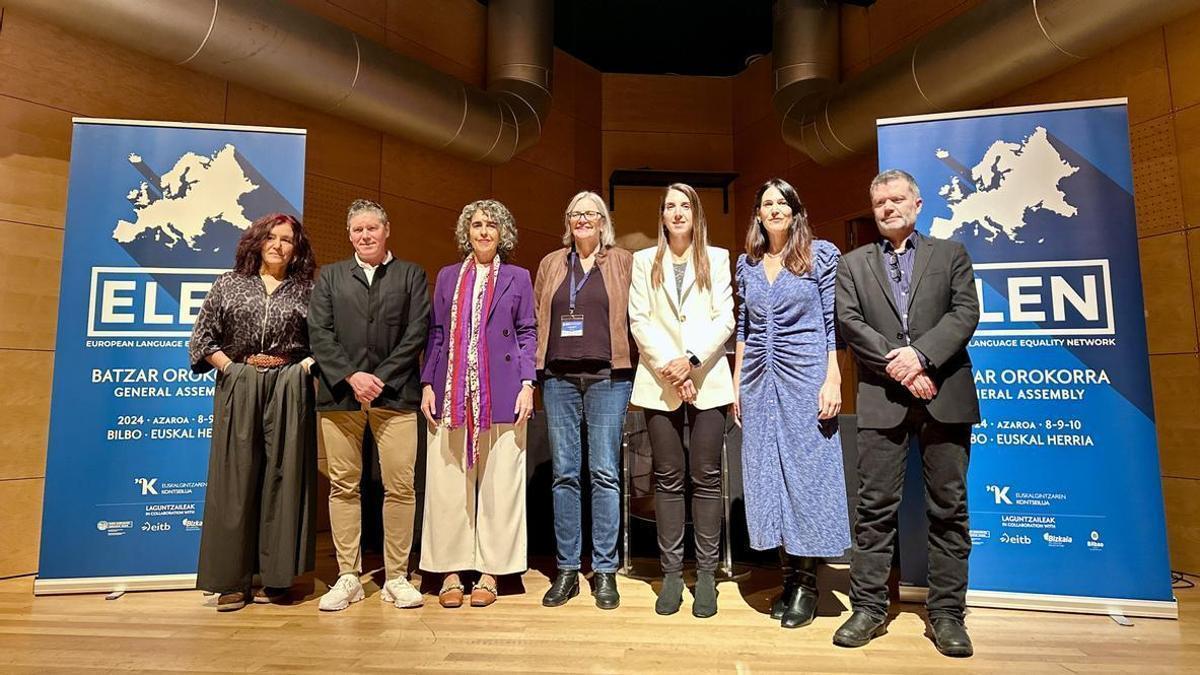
{"x": 572, "y": 325}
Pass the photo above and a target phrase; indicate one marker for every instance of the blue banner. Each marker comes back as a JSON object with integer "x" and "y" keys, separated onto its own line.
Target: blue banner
{"x": 154, "y": 214}
{"x": 1064, "y": 487}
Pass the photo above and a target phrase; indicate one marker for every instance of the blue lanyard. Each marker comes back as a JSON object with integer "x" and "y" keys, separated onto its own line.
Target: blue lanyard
{"x": 572, "y": 287}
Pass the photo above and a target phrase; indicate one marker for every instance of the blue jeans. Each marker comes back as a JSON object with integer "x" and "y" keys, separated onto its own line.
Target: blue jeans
{"x": 601, "y": 403}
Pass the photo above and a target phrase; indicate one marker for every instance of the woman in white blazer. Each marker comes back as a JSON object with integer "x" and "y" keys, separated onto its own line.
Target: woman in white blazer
{"x": 681, "y": 315}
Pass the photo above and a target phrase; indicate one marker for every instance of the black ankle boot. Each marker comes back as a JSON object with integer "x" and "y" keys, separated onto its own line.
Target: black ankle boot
{"x": 705, "y": 603}
{"x": 802, "y": 608}
{"x": 790, "y": 585}
{"x": 604, "y": 589}
{"x": 670, "y": 596}
{"x": 565, "y": 587}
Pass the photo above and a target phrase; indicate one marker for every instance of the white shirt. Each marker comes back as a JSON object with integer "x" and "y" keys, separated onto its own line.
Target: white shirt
{"x": 369, "y": 270}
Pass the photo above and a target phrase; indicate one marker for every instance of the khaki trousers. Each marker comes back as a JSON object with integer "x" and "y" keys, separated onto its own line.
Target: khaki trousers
{"x": 475, "y": 520}
{"x": 395, "y": 434}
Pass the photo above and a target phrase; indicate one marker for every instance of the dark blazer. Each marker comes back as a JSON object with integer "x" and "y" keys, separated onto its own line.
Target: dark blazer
{"x": 378, "y": 328}
{"x": 943, "y": 311}
{"x": 511, "y": 338}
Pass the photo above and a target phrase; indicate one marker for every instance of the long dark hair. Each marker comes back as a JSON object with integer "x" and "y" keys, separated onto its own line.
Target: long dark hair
{"x": 248, "y": 261}
{"x": 699, "y": 238}
{"x": 797, "y": 252}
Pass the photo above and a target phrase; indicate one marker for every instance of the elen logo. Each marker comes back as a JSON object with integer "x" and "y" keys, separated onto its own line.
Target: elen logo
{"x": 146, "y": 301}
{"x": 1055, "y": 297}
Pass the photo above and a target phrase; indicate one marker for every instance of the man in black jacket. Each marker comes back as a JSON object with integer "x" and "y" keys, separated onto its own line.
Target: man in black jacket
{"x": 907, "y": 307}
{"x": 367, "y": 322}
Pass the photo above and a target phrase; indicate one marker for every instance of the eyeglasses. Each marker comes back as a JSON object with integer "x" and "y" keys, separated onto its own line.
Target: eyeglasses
{"x": 894, "y": 266}
{"x": 590, "y": 215}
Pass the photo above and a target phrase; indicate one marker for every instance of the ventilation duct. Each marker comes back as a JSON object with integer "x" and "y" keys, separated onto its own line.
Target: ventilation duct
{"x": 993, "y": 49}
{"x": 284, "y": 51}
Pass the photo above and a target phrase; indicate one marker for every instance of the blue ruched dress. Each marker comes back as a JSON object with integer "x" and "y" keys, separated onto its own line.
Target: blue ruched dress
{"x": 792, "y": 474}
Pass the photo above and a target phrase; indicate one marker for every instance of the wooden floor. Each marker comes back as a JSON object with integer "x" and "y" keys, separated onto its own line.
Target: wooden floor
{"x": 180, "y": 631}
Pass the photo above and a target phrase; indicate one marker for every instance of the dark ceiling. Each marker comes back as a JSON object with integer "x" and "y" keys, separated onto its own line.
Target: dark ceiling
{"x": 682, "y": 37}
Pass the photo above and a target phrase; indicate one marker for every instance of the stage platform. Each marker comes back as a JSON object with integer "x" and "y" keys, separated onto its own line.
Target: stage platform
{"x": 180, "y": 631}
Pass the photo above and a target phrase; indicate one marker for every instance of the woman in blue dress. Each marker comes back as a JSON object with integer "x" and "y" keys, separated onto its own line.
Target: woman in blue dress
{"x": 788, "y": 397}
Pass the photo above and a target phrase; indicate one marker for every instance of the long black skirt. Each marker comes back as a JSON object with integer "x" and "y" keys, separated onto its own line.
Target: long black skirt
{"x": 260, "y": 509}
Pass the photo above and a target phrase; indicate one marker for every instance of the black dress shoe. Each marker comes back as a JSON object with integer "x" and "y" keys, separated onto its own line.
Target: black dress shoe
{"x": 951, "y": 639}
{"x": 565, "y": 587}
{"x": 801, "y": 608}
{"x": 604, "y": 589}
{"x": 858, "y": 630}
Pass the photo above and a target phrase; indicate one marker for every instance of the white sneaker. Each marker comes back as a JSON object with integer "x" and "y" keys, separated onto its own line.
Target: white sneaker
{"x": 401, "y": 593}
{"x": 348, "y": 589}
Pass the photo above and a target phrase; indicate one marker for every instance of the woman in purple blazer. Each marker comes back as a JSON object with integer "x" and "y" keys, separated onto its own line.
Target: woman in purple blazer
{"x": 477, "y": 395}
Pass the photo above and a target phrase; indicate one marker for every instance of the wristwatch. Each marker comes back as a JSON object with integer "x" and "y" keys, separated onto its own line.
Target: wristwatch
{"x": 693, "y": 359}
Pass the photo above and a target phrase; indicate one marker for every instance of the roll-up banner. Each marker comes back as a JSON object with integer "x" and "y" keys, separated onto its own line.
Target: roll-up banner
{"x": 1064, "y": 487}
{"x": 154, "y": 214}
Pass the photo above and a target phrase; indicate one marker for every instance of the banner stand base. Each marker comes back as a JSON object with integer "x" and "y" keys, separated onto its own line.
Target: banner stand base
{"x": 1039, "y": 602}
{"x": 149, "y": 582}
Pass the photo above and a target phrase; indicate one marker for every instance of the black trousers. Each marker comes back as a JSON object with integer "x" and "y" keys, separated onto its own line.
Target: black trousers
{"x": 703, "y": 457}
{"x": 260, "y": 509}
{"x": 882, "y": 456}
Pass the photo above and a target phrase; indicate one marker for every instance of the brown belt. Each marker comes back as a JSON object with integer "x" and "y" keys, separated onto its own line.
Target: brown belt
{"x": 266, "y": 361}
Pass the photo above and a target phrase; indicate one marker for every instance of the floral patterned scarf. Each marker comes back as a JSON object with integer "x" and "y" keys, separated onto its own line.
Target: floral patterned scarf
{"x": 467, "y": 392}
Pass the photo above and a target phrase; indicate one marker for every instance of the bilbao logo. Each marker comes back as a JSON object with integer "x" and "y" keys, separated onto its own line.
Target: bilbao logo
{"x": 1094, "y": 543}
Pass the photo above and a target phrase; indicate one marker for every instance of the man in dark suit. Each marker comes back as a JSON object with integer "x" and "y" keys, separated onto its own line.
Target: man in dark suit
{"x": 368, "y": 321}
{"x": 907, "y": 307}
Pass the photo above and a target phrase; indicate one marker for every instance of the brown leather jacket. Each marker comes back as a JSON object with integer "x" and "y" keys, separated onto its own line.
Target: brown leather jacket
{"x": 615, "y": 266}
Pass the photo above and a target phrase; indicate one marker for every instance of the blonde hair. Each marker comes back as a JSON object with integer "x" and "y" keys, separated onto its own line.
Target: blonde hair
{"x": 699, "y": 238}
{"x": 608, "y": 235}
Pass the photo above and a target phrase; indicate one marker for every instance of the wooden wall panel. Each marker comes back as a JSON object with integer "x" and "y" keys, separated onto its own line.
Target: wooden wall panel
{"x": 1182, "y": 497}
{"x": 1159, "y": 199}
{"x": 1176, "y": 382}
{"x": 433, "y": 59}
{"x": 555, "y": 150}
{"x": 834, "y": 192}
{"x": 637, "y": 214}
{"x": 1187, "y": 139}
{"x": 430, "y": 176}
{"x": 667, "y": 103}
{"x": 456, "y": 29}
{"x": 1166, "y": 286}
{"x": 536, "y": 197}
{"x": 895, "y": 23}
{"x": 20, "y": 525}
{"x": 30, "y": 268}
{"x": 26, "y": 420}
{"x": 759, "y": 153}
{"x": 1183, "y": 54}
{"x": 589, "y": 158}
{"x": 365, "y": 18}
{"x": 1193, "y": 245}
{"x": 589, "y": 94}
{"x": 855, "y": 44}
{"x": 325, "y": 203}
{"x": 753, "y": 89}
{"x": 336, "y": 148}
{"x": 35, "y": 148}
{"x": 421, "y": 233}
{"x": 660, "y": 150}
{"x": 1136, "y": 69}
{"x": 563, "y": 85}
{"x": 45, "y": 64}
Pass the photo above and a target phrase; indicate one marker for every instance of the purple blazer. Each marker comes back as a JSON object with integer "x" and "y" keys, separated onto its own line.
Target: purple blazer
{"x": 511, "y": 338}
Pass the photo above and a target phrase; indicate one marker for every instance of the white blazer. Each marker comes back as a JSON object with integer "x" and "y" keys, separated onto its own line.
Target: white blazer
{"x": 667, "y": 324}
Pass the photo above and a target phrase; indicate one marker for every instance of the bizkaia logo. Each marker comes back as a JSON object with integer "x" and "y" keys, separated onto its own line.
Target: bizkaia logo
{"x": 1054, "y": 297}
{"x": 190, "y": 524}
{"x": 148, "y": 485}
{"x": 1056, "y": 540}
{"x": 1000, "y": 493}
{"x": 146, "y": 301}
{"x": 1094, "y": 543}
{"x": 1018, "y": 539}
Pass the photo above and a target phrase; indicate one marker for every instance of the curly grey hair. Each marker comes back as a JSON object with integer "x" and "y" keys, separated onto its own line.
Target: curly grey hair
{"x": 360, "y": 206}
{"x": 895, "y": 174}
{"x": 495, "y": 211}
